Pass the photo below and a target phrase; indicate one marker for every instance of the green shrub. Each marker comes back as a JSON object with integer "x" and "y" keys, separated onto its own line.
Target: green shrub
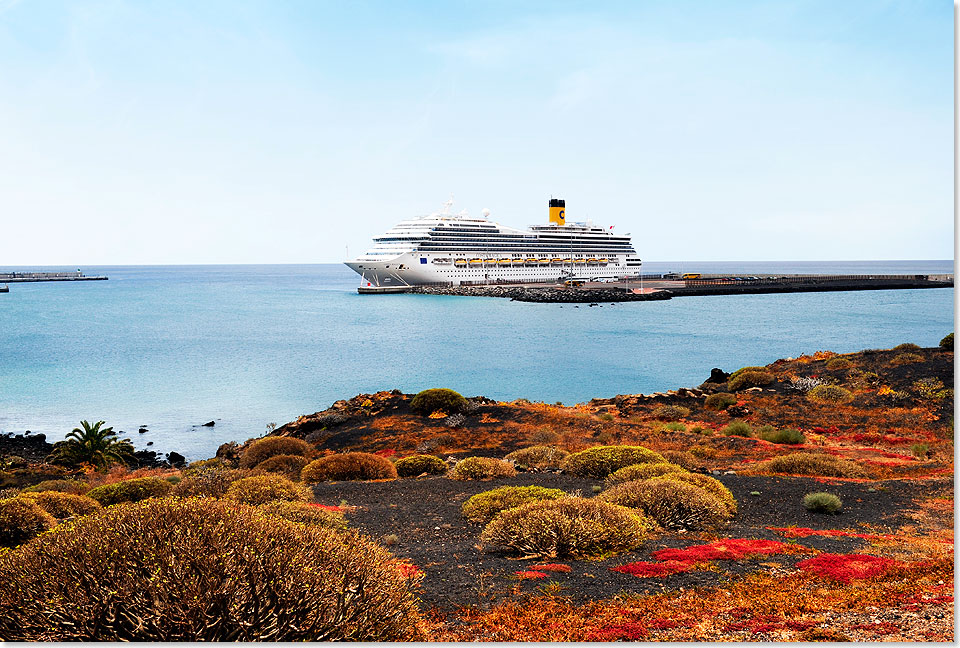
{"x": 306, "y": 513}
{"x": 834, "y": 364}
{"x": 920, "y": 450}
{"x": 605, "y": 416}
{"x": 947, "y": 342}
{"x": 539, "y": 456}
{"x": 483, "y": 507}
{"x": 808, "y": 463}
{"x": 709, "y": 484}
{"x": 417, "y": 465}
{"x": 749, "y": 379}
{"x": 638, "y": 472}
{"x": 737, "y": 428}
{"x": 290, "y": 466}
{"x": 74, "y": 486}
{"x": 720, "y": 402}
{"x": 822, "y": 503}
{"x": 349, "y": 466}
{"x": 200, "y": 569}
{"x": 673, "y": 504}
{"x": 481, "y": 468}
{"x": 63, "y": 505}
{"x": 829, "y": 394}
{"x": 906, "y": 358}
{"x": 20, "y": 520}
{"x": 671, "y": 412}
{"x": 271, "y": 446}
{"x": 431, "y": 400}
{"x": 566, "y": 527}
{"x": 676, "y": 426}
{"x": 786, "y": 436}
{"x": 932, "y": 388}
{"x": 907, "y": 346}
{"x": 267, "y": 488}
{"x": 743, "y": 370}
{"x": 600, "y": 461}
{"x": 130, "y": 490}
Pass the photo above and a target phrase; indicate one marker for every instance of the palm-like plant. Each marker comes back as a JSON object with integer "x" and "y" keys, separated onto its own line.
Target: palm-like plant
{"x": 93, "y": 444}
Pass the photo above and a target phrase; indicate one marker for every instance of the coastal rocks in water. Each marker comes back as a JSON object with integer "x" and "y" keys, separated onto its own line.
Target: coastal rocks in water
{"x": 31, "y": 447}
{"x": 209, "y": 424}
{"x": 176, "y": 460}
{"x": 549, "y": 295}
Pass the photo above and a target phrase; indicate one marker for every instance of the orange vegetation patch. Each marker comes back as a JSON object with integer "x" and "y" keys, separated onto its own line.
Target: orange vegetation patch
{"x": 408, "y": 570}
{"x": 845, "y": 568}
{"x": 551, "y": 568}
{"x": 530, "y": 574}
{"x": 804, "y": 532}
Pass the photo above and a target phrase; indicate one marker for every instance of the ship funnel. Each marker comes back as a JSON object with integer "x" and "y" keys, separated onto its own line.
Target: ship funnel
{"x": 557, "y": 211}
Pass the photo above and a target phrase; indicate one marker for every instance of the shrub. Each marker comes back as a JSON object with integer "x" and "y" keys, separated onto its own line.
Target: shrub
{"x": 271, "y": 446}
{"x": 483, "y": 507}
{"x": 600, "y": 461}
{"x": 212, "y": 479}
{"x": 807, "y": 463}
{"x": 947, "y": 342}
{"x": 743, "y": 370}
{"x": 822, "y": 503}
{"x": 481, "y": 468}
{"x": 540, "y": 456}
{"x": 829, "y": 394}
{"x": 738, "y": 428}
{"x": 671, "y": 412}
{"x": 288, "y": 465}
{"x": 906, "y": 358}
{"x": 641, "y": 471}
{"x": 431, "y": 400}
{"x": 709, "y": 484}
{"x": 130, "y": 490}
{"x": 673, "y": 504}
{"x": 266, "y": 488}
{"x": 932, "y": 388}
{"x": 202, "y": 570}
{"x": 834, "y": 364}
{"x": 676, "y": 426}
{"x": 683, "y": 459}
{"x": 306, "y": 513}
{"x": 720, "y": 402}
{"x": 749, "y": 379}
{"x": 20, "y": 520}
{"x": 787, "y": 436}
{"x": 63, "y": 505}
{"x": 569, "y": 526}
{"x": 416, "y": 465}
{"x": 907, "y": 346}
{"x": 74, "y": 486}
{"x": 348, "y": 467}
{"x": 920, "y": 450}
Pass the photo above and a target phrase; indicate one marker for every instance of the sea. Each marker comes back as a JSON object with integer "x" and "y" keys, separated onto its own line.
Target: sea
{"x": 170, "y": 348}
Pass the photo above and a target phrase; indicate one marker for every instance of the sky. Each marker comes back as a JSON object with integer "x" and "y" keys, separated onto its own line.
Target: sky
{"x": 180, "y": 132}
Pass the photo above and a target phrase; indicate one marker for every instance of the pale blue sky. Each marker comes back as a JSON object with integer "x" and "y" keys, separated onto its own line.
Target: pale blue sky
{"x": 258, "y": 132}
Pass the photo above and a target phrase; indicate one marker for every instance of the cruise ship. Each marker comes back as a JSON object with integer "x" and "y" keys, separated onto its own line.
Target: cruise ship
{"x": 456, "y": 249}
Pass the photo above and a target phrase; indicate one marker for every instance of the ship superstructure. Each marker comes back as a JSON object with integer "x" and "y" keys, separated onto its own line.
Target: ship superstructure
{"x": 455, "y": 249}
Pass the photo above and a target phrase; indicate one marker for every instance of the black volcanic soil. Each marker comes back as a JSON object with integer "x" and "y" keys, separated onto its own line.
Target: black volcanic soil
{"x": 425, "y": 516}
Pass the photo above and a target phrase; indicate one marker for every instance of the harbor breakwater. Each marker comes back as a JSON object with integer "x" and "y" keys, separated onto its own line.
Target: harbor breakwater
{"x": 543, "y": 295}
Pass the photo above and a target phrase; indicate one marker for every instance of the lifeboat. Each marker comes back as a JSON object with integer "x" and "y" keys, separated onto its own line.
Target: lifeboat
{"x": 503, "y": 262}
{"x": 543, "y": 261}
{"x": 591, "y": 260}
{"x": 556, "y": 261}
{"x": 490, "y": 261}
{"x": 476, "y": 261}
{"x": 531, "y": 260}
{"x": 518, "y": 261}
{"x": 602, "y": 261}
{"x": 567, "y": 260}
{"x": 460, "y": 262}
{"x": 579, "y": 260}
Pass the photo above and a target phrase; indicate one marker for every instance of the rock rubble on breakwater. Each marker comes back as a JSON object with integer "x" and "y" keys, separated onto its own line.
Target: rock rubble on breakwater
{"x": 543, "y": 295}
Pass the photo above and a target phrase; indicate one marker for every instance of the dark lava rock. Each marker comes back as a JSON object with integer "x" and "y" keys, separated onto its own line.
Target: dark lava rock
{"x": 209, "y": 424}
{"x": 176, "y": 460}
{"x": 31, "y": 447}
{"x": 717, "y": 376}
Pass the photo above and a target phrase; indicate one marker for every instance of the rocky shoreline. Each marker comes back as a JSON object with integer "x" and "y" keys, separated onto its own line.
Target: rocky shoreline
{"x": 543, "y": 295}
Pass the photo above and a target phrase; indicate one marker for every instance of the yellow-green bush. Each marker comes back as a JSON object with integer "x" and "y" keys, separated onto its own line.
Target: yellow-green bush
{"x": 906, "y": 358}
{"x": 201, "y": 569}
{"x": 671, "y": 503}
{"x": 683, "y": 458}
{"x": 569, "y": 526}
{"x": 431, "y": 400}
{"x": 719, "y": 402}
{"x": 743, "y": 370}
{"x": 20, "y": 520}
{"x": 671, "y": 412}
{"x": 210, "y": 479}
{"x": 738, "y": 428}
{"x": 130, "y": 490}
{"x": 483, "y": 507}
{"x": 808, "y": 463}
{"x": 539, "y": 456}
{"x": 417, "y": 465}
{"x": 349, "y": 466}
{"x": 600, "y": 461}
{"x": 749, "y": 379}
{"x": 267, "y": 488}
{"x": 947, "y": 342}
{"x": 306, "y": 513}
{"x": 481, "y": 468}
{"x": 290, "y": 466}
{"x": 74, "y": 486}
{"x": 834, "y": 364}
{"x": 639, "y": 472}
{"x": 786, "y": 436}
{"x": 709, "y": 484}
{"x": 63, "y": 505}
{"x": 822, "y": 503}
{"x": 271, "y": 446}
{"x": 829, "y": 394}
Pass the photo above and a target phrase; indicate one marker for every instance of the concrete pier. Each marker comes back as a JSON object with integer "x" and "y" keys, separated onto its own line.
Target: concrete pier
{"x": 30, "y": 277}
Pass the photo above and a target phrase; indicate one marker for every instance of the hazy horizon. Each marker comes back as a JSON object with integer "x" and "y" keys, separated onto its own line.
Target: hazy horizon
{"x": 250, "y": 132}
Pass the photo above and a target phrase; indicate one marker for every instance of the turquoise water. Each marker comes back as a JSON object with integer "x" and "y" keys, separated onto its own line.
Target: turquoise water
{"x": 174, "y": 347}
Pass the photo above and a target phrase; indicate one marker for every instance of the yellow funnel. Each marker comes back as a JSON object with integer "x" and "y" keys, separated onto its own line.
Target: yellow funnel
{"x": 557, "y": 211}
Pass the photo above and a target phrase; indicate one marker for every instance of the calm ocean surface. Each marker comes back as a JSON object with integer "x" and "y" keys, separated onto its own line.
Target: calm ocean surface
{"x": 172, "y": 347}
